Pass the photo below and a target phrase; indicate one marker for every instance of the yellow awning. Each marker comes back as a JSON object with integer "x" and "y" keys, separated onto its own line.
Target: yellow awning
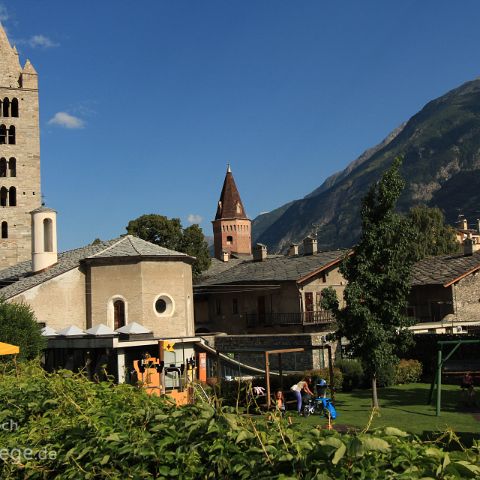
{"x": 6, "y": 349}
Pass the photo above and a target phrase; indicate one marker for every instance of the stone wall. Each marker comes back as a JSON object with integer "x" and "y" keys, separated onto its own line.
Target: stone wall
{"x": 466, "y": 298}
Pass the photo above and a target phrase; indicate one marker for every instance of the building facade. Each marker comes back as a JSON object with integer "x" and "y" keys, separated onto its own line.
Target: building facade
{"x": 19, "y": 154}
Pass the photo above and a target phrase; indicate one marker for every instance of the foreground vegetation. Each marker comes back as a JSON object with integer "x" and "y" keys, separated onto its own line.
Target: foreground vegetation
{"x": 63, "y": 426}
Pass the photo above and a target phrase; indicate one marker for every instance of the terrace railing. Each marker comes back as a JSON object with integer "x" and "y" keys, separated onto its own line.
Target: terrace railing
{"x": 290, "y": 318}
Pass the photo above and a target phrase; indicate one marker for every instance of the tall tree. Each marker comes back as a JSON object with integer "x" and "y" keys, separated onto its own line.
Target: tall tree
{"x": 18, "y": 326}
{"x": 169, "y": 233}
{"x": 434, "y": 237}
{"x": 193, "y": 242}
{"x": 378, "y": 280}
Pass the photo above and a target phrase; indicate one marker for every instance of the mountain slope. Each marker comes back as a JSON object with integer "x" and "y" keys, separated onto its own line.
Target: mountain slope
{"x": 441, "y": 150}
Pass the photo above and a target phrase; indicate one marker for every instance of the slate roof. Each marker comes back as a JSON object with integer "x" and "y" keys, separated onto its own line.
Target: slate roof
{"x": 229, "y": 199}
{"x": 19, "y": 278}
{"x": 275, "y": 268}
{"x": 444, "y": 269}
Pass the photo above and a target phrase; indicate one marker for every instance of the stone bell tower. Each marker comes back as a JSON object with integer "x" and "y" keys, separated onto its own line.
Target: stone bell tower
{"x": 19, "y": 154}
{"x": 232, "y": 229}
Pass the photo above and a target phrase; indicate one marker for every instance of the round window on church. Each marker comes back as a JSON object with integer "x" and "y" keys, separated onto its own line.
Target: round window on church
{"x": 163, "y": 305}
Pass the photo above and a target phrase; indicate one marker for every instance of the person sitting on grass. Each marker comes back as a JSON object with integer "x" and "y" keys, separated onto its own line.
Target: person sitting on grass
{"x": 301, "y": 389}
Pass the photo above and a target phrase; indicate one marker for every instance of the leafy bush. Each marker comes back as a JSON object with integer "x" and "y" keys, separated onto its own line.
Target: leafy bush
{"x": 325, "y": 374}
{"x": 74, "y": 429}
{"x": 386, "y": 376}
{"x": 408, "y": 371}
{"x": 18, "y": 326}
{"x": 352, "y": 372}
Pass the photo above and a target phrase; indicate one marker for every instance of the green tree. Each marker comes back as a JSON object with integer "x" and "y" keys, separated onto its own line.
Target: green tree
{"x": 434, "y": 237}
{"x": 157, "y": 229}
{"x": 378, "y": 281}
{"x": 169, "y": 233}
{"x": 193, "y": 243}
{"x": 18, "y": 326}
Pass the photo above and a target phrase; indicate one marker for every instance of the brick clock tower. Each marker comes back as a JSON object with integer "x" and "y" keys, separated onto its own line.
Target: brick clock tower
{"x": 231, "y": 227}
{"x": 19, "y": 154}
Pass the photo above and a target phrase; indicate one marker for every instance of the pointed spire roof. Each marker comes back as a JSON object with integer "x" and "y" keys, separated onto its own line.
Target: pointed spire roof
{"x": 10, "y": 68}
{"x": 230, "y": 204}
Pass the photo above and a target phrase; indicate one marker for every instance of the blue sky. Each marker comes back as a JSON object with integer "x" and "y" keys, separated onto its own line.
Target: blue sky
{"x": 143, "y": 104}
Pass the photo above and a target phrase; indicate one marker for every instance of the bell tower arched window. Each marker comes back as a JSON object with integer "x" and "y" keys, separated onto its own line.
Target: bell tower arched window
{"x": 47, "y": 235}
{"x": 4, "y": 230}
{"x": 118, "y": 314}
{"x": 12, "y": 167}
{"x": 12, "y": 197}
{"x": 11, "y": 135}
{"x": 3, "y": 167}
{"x": 6, "y": 107}
{"x": 3, "y": 197}
{"x": 3, "y": 134}
{"x": 14, "y": 107}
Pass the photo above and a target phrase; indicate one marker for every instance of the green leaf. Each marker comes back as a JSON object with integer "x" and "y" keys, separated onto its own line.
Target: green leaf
{"x": 373, "y": 443}
{"x": 395, "y": 432}
{"x": 339, "y": 454}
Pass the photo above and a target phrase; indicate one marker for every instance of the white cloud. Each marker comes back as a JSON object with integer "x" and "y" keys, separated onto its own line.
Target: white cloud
{"x": 40, "y": 41}
{"x": 3, "y": 13}
{"x": 193, "y": 218}
{"x": 66, "y": 120}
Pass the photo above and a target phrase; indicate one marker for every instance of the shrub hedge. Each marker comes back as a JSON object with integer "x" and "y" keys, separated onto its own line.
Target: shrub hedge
{"x": 70, "y": 428}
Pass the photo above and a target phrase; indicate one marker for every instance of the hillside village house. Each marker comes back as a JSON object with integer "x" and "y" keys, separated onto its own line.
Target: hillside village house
{"x": 445, "y": 295}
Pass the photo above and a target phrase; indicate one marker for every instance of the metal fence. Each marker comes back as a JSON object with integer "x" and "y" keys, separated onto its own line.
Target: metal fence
{"x": 291, "y": 318}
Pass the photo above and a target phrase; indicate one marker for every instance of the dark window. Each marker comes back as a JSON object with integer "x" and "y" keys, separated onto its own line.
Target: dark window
{"x": 161, "y": 305}
{"x": 218, "y": 306}
{"x": 14, "y": 107}
{"x": 3, "y": 197}
{"x": 324, "y": 277}
{"x": 235, "y": 306}
{"x": 3, "y": 167}
{"x": 12, "y": 197}
{"x": 11, "y": 135}
{"x": 47, "y": 235}
{"x": 261, "y": 309}
{"x": 229, "y": 240}
{"x": 6, "y": 106}
{"x": 3, "y": 134}
{"x": 118, "y": 314}
{"x": 12, "y": 166}
{"x": 4, "y": 230}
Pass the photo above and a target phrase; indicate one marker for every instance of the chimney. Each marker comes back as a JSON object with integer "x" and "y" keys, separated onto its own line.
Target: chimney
{"x": 309, "y": 246}
{"x": 259, "y": 252}
{"x": 44, "y": 238}
{"x": 225, "y": 256}
{"x": 293, "y": 250}
{"x": 468, "y": 247}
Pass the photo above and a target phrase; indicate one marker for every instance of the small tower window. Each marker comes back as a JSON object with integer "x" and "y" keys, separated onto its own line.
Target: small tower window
{"x": 229, "y": 240}
{"x": 3, "y": 134}
{"x": 14, "y": 107}
{"x": 118, "y": 314}
{"x": 3, "y": 197}
{"x": 11, "y": 135}
{"x": 12, "y": 167}
{"x": 47, "y": 235}
{"x": 12, "y": 197}
{"x": 3, "y": 167}
{"x": 4, "y": 230}
{"x": 6, "y": 106}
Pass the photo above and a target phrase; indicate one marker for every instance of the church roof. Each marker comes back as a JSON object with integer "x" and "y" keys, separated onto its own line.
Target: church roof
{"x": 19, "y": 278}
{"x": 276, "y": 268}
{"x": 230, "y": 204}
{"x": 10, "y": 68}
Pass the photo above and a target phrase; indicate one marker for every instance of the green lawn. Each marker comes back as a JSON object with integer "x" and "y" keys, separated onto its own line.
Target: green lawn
{"x": 404, "y": 407}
